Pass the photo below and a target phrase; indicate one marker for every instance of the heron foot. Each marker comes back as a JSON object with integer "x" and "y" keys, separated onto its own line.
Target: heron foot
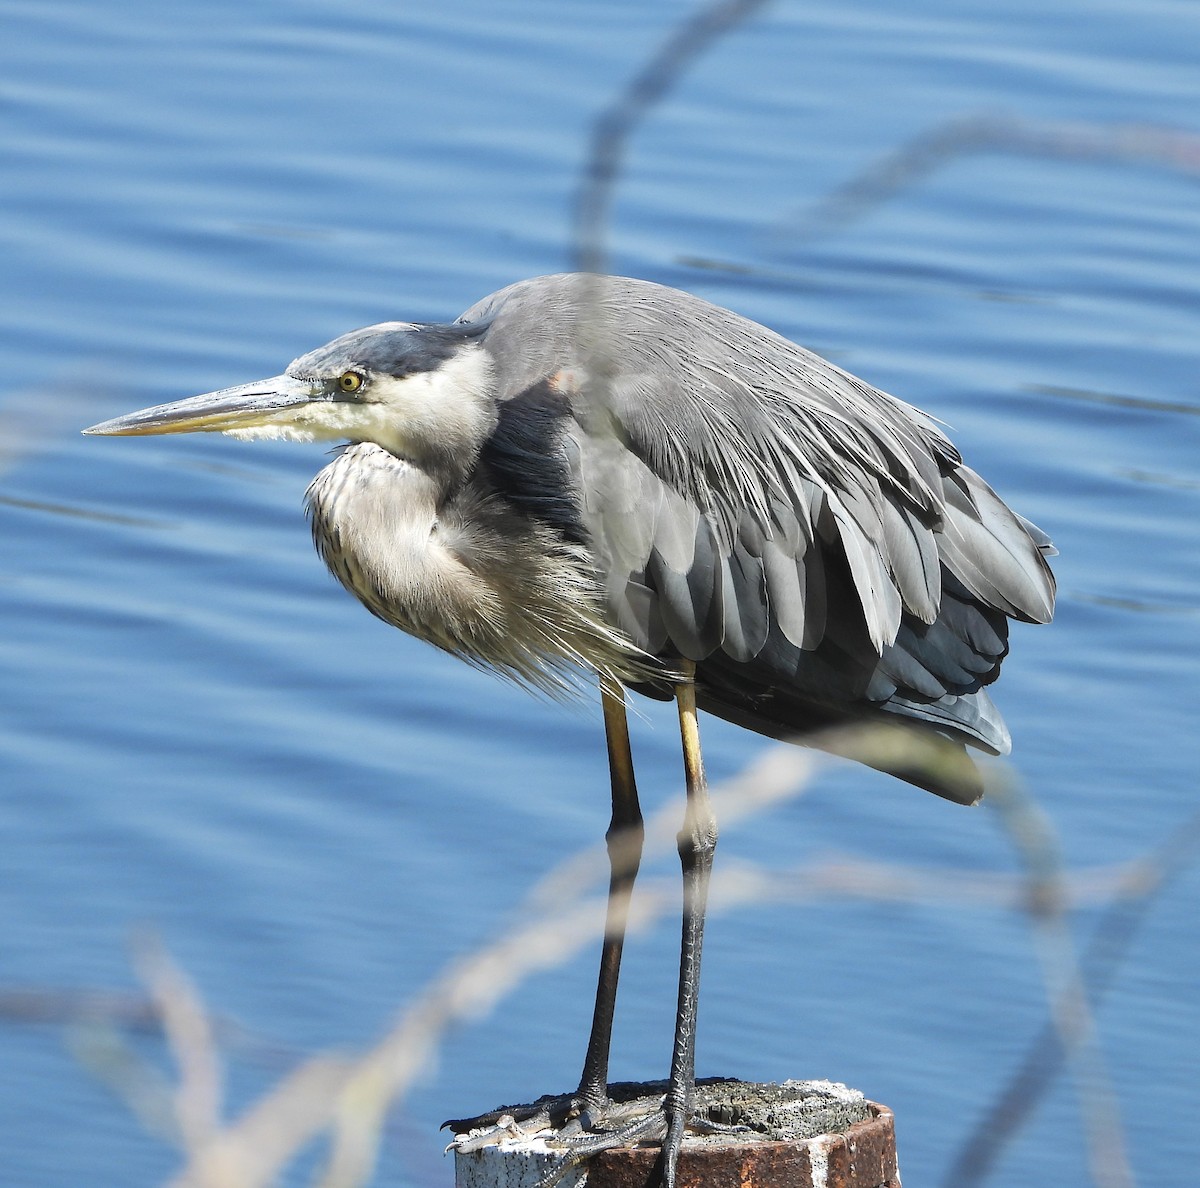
{"x": 552, "y": 1111}
{"x": 628, "y": 1124}
{"x": 629, "y": 1116}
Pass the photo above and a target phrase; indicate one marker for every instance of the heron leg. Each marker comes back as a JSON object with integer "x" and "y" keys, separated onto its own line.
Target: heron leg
{"x": 697, "y": 843}
{"x": 624, "y": 838}
{"x": 574, "y": 1115}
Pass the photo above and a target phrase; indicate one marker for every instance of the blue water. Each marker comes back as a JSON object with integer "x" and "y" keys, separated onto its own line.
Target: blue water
{"x": 199, "y": 732}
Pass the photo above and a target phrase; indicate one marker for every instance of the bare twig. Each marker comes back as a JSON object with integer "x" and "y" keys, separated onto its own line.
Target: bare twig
{"x": 197, "y": 1099}
{"x": 1133, "y": 144}
{"x": 1110, "y": 943}
{"x": 610, "y": 135}
{"x": 254, "y": 1151}
{"x": 1070, "y": 1011}
{"x": 616, "y": 123}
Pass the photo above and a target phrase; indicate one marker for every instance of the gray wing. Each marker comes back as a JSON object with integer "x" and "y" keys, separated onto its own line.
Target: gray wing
{"x": 815, "y": 545}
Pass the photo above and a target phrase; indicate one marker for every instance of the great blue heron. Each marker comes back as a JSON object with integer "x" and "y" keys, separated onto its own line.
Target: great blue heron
{"x": 587, "y": 473}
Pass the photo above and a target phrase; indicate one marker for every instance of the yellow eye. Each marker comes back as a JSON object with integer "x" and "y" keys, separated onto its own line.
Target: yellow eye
{"x": 350, "y": 381}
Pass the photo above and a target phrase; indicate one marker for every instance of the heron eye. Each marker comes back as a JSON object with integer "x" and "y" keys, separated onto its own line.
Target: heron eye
{"x": 350, "y": 381}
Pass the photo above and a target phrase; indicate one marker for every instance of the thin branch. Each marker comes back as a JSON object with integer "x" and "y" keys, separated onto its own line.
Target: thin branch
{"x": 611, "y": 131}
{"x": 1132, "y": 144}
{"x": 1070, "y": 1010}
{"x": 197, "y": 1099}
{"x": 1106, "y": 951}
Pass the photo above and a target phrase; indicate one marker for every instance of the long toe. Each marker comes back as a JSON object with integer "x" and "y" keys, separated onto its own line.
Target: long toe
{"x": 552, "y": 1112}
{"x": 648, "y": 1127}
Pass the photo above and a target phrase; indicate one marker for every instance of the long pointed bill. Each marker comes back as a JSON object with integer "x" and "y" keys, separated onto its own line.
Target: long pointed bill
{"x": 248, "y": 406}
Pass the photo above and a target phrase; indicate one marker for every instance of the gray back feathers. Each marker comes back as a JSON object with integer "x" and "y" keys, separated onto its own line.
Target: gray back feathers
{"x": 813, "y": 543}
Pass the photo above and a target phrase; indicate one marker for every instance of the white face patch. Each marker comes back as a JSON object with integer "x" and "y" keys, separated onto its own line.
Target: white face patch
{"x": 450, "y": 410}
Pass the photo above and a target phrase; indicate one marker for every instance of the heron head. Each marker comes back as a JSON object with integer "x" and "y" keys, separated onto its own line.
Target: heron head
{"x": 423, "y": 391}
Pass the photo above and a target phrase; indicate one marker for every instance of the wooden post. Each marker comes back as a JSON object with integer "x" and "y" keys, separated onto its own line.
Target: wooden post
{"x": 801, "y": 1134}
